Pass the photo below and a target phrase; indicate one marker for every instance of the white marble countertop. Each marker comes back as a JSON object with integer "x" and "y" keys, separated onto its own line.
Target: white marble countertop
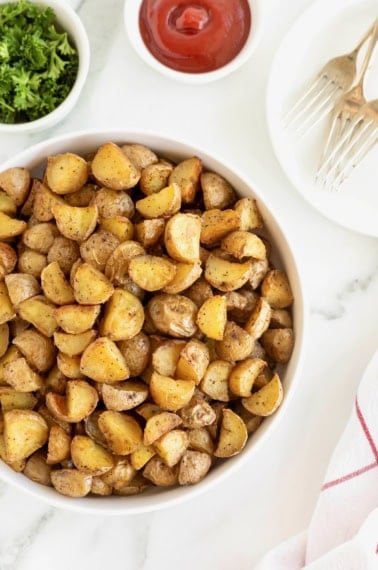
{"x": 233, "y": 525}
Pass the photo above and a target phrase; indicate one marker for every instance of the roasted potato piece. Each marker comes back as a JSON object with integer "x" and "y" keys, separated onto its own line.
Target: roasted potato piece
{"x": 151, "y": 272}
{"x": 117, "y": 266}
{"x": 80, "y": 401}
{"x": 10, "y": 227}
{"x": 197, "y": 413}
{"x": 187, "y": 175}
{"x": 122, "y": 432}
{"x": 90, "y": 286}
{"x": 162, "y": 204}
{"x": 250, "y": 217}
{"x": 155, "y": 177}
{"x": 77, "y": 319}
{"x": 55, "y": 286}
{"x": 170, "y": 394}
{"x": 8, "y": 259}
{"x": 124, "y": 316}
{"x": 25, "y": 431}
{"x": 158, "y": 424}
{"x": 38, "y": 470}
{"x": 124, "y": 395}
{"x": 75, "y": 223}
{"x": 265, "y": 401}
{"x": 43, "y": 202}
{"x": 186, "y": 274}
{"x": 244, "y": 374}
{"x": 113, "y": 169}
{"x": 21, "y": 377}
{"x": 217, "y": 192}
{"x": 15, "y": 182}
{"x": 31, "y": 262}
{"x": 165, "y": 357}
{"x": 119, "y": 226}
{"x": 280, "y": 319}
{"x": 113, "y": 203}
{"x": 193, "y": 361}
{"x": 278, "y": 344}
{"x": 89, "y": 457}
{"x": 233, "y": 435}
{"x": 244, "y": 244}
{"x": 173, "y": 315}
{"x": 120, "y": 475}
{"x": 21, "y": 286}
{"x": 215, "y": 383}
{"x": 226, "y": 275}
{"x": 12, "y": 400}
{"x": 73, "y": 344}
{"x": 66, "y": 173}
{"x": 149, "y": 232}
{"x": 200, "y": 440}
{"x": 65, "y": 251}
{"x": 259, "y": 319}
{"x": 236, "y": 344}
{"x": 71, "y": 482}
{"x": 172, "y": 446}
{"x": 11, "y": 354}
{"x": 4, "y": 339}
{"x": 83, "y": 197}
{"x": 212, "y": 317}
{"x": 276, "y": 289}
{"x": 182, "y": 237}
{"x": 141, "y": 156}
{"x": 159, "y": 473}
{"x": 102, "y": 361}
{"x": 7, "y": 311}
{"x": 58, "y": 446}
{"x": 7, "y": 205}
{"x": 199, "y": 292}
{"x": 97, "y": 249}
{"x": 99, "y": 487}
{"x": 193, "y": 467}
{"x": 40, "y": 237}
{"x": 141, "y": 456}
{"x": 136, "y": 352}
{"x": 38, "y": 350}
{"x": 69, "y": 366}
{"x": 216, "y": 224}
{"x": 39, "y": 312}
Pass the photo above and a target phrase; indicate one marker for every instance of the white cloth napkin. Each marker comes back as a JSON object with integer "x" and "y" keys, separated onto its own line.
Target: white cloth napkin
{"x": 343, "y": 533}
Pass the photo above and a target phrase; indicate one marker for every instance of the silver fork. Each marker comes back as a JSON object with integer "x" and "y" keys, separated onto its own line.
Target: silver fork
{"x": 336, "y": 77}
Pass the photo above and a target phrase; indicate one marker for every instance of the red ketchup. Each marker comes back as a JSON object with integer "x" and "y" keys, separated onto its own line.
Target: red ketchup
{"x": 195, "y": 37}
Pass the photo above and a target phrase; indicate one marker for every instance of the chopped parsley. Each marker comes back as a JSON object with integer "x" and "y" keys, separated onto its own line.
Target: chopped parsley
{"x": 38, "y": 65}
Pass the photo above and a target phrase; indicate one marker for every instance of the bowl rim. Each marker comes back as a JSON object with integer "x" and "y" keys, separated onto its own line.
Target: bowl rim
{"x": 131, "y": 16}
{"x": 78, "y": 33}
{"x": 120, "y": 506}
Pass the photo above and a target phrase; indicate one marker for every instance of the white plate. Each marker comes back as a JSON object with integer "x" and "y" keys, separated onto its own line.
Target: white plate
{"x": 325, "y": 30}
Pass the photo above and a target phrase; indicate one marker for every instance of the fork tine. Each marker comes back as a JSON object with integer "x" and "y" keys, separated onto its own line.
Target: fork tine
{"x": 319, "y": 112}
{"x": 311, "y": 91}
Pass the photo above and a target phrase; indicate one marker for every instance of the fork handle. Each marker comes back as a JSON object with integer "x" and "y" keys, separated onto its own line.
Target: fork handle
{"x": 369, "y": 53}
{"x": 363, "y": 40}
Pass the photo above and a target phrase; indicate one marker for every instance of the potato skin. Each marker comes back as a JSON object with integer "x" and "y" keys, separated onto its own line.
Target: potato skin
{"x": 173, "y": 315}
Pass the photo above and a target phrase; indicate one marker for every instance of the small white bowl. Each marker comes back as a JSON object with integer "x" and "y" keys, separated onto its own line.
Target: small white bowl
{"x": 70, "y": 22}
{"x": 282, "y": 256}
{"x": 131, "y": 17}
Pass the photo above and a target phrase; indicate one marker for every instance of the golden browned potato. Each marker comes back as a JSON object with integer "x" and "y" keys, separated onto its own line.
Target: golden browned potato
{"x": 40, "y": 237}
{"x": 174, "y": 315}
{"x": 233, "y": 435}
{"x": 21, "y": 377}
{"x": 55, "y": 286}
{"x": 226, "y": 275}
{"x": 112, "y": 203}
{"x": 8, "y": 259}
{"x": 151, "y": 272}
{"x": 158, "y": 424}
{"x": 172, "y": 446}
{"x": 55, "y": 381}
{"x": 280, "y": 319}
{"x": 265, "y": 401}
{"x": 244, "y": 374}
{"x": 82, "y": 197}
{"x": 136, "y": 352}
{"x": 38, "y": 350}
{"x": 89, "y": 457}
{"x": 90, "y": 286}
{"x": 58, "y": 446}
{"x": 73, "y": 344}
{"x": 216, "y": 224}
{"x": 102, "y": 361}
{"x": 31, "y": 262}
{"x": 197, "y": 413}
{"x": 7, "y": 205}
{"x": 199, "y": 292}
{"x": 97, "y": 249}
{"x": 119, "y": 226}
{"x": 194, "y": 466}
{"x": 170, "y": 394}
{"x": 141, "y": 456}
{"x": 215, "y": 383}
{"x": 75, "y": 223}
{"x": 276, "y": 289}
{"x": 65, "y": 251}
{"x": 39, "y": 312}
{"x": 71, "y": 482}
{"x": 117, "y": 266}
{"x": 17, "y": 423}
{"x": 186, "y": 274}
{"x": 76, "y": 319}
{"x": 212, "y": 317}
{"x": 165, "y": 357}
{"x": 162, "y": 204}
{"x": 124, "y": 395}
{"x": 80, "y": 401}
{"x": 250, "y": 217}
{"x": 7, "y": 311}
{"x": 69, "y": 366}
{"x": 37, "y": 469}
{"x": 122, "y": 432}
{"x": 99, "y": 487}
{"x": 12, "y": 400}
{"x": 217, "y": 192}
{"x": 236, "y": 344}
{"x": 120, "y": 475}
{"x": 182, "y": 237}
{"x": 155, "y": 177}
{"x": 187, "y": 175}
{"x": 11, "y": 354}
{"x": 44, "y": 200}
{"x": 66, "y": 173}
{"x": 259, "y": 319}
{"x": 21, "y": 286}
{"x": 159, "y": 473}
{"x": 113, "y": 169}
{"x": 244, "y": 244}
{"x": 141, "y": 156}
{"x": 200, "y": 440}
{"x": 193, "y": 361}
{"x": 148, "y": 232}
{"x": 15, "y": 182}
{"x": 278, "y": 344}
{"x": 10, "y": 227}
{"x": 4, "y": 338}
{"x": 123, "y": 317}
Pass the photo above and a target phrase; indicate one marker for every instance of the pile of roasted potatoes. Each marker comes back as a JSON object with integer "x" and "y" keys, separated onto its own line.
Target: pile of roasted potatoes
{"x": 141, "y": 321}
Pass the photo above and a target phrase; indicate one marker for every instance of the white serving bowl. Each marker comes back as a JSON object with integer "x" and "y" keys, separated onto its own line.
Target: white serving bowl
{"x": 131, "y": 17}
{"x": 70, "y": 22}
{"x": 86, "y": 141}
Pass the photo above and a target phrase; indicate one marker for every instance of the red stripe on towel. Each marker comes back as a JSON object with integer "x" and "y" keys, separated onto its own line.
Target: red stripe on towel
{"x": 349, "y": 476}
{"x": 366, "y": 431}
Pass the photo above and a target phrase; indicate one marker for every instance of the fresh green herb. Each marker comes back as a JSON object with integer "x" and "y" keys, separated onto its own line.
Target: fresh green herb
{"x": 38, "y": 65}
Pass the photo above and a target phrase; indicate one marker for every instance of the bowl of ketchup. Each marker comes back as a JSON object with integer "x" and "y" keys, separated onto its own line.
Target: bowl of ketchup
{"x": 195, "y": 41}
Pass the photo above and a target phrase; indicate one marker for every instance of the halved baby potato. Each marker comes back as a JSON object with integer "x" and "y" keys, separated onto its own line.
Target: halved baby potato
{"x": 71, "y": 482}
{"x": 216, "y": 224}
{"x": 244, "y": 374}
{"x": 39, "y": 312}
{"x": 80, "y": 401}
{"x": 10, "y": 227}
{"x": 212, "y": 317}
{"x": 74, "y": 222}
{"x": 77, "y": 319}
{"x": 7, "y": 312}
{"x": 215, "y": 383}
{"x": 102, "y": 361}
{"x": 244, "y": 244}
{"x": 186, "y": 174}
{"x": 170, "y": 394}
{"x": 149, "y": 232}
{"x": 25, "y": 431}
{"x": 226, "y": 275}
{"x": 124, "y": 395}
{"x": 90, "y": 457}
{"x": 21, "y": 377}
{"x": 21, "y": 286}
{"x": 151, "y": 272}
{"x": 66, "y": 173}
{"x": 73, "y": 344}
{"x": 259, "y": 319}
{"x": 90, "y": 286}
{"x": 194, "y": 465}
{"x": 112, "y": 168}
{"x": 172, "y": 446}
{"x": 55, "y": 286}
{"x": 236, "y": 344}
{"x": 186, "y": 274}
{"x": 276, "y": 289}
{"x": 265, "y": 401}
{"x": 123, "y": 317}
{"x": 15, "y": 182}
{"x": 58, "y": 445}
{"x": 182, "y": 237}
{"x": 233, "y": 435}
{"x": 162, "y": 204}
{"x": 193, "y": 361}
{"x": 122, "y": 432}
